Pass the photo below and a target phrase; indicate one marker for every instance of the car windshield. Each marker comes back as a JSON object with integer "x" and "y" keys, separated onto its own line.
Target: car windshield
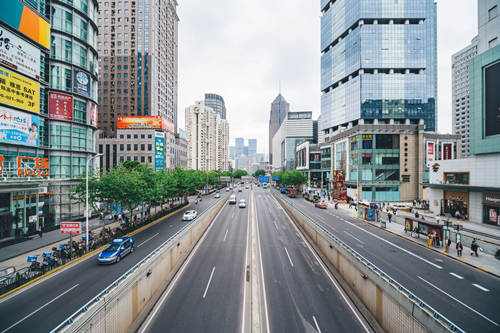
{"x": 112, "y": 247}
{"x": 242, "y": 201}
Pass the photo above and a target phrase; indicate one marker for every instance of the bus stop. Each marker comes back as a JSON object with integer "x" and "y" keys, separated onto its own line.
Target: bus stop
{"x": 419, "y": 226}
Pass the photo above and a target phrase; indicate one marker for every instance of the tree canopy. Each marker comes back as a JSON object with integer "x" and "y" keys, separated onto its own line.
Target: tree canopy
{"x": 239, "y": 173}
{"x": 293, "y": 177}
{"x": 259, "y": 172}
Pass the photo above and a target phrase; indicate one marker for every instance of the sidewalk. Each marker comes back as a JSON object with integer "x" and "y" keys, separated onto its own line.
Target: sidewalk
{"x": 485, "y": 262}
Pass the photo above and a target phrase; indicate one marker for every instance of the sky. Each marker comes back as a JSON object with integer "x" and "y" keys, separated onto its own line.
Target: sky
{"x": 243, "y": 49}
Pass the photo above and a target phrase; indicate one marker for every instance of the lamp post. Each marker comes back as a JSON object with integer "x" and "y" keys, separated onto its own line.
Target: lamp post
{"x": 87, "y": 200}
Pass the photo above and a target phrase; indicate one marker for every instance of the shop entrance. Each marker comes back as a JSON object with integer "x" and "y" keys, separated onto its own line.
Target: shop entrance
{"x": 491, "y": 208}
{"x": 455, "y": 204}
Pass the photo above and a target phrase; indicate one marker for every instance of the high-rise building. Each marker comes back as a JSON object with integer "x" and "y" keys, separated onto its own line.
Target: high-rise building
{"x": 488, "y": 20}
{"x": 222, "y": 141}
{"x": 378, "y": 62}
{"x": 216, "y": 102}
{"x": 239, "y": 147}
{"x": 252, "y": 147}
{"x": 137, "y": 48}
{"x": 279, "y": 109}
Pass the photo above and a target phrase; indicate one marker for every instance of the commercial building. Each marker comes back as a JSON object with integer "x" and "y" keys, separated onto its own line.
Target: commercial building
{"x": 137, "y": 46}
{"x": 216, "y": 102}
{"x": 222, "y": 144}
{"x": 279, "y": 109}
{"x": 48, "y": 112}
{"x": 378, "y": 61}
{"x": 180, "y": 149}
{"x": 309, "y": 161}
{"x": 252, "y": 147}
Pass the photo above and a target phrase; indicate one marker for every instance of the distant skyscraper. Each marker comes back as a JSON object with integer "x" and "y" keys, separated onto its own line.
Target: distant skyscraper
{"x": 239, "y": 147}
{"x": 216, "y": 102}
{"x": 252, "y": 147}
{"x": 279, "y": 109}
{"x": 378, "y": 61}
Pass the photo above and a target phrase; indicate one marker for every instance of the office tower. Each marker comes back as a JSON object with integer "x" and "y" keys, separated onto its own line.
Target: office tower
{"x": 137, "y": 48}
{"x": 252, "y": 147}
{"x": 378, "y": 61}
{"x": 240, "y": 146}
{"x": 279, "y": 109}
{"x": 216, "y": 102}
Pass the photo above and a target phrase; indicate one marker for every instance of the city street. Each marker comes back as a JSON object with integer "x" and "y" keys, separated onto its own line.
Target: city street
{"x": 45, "y": 304}
{"x": 463, "y": 294}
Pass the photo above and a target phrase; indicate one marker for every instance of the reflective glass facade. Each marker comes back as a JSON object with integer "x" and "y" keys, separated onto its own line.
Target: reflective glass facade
{"x": 378, "y": 61}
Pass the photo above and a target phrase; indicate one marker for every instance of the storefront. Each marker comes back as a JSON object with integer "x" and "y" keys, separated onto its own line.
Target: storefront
{"x": 455, "y": 201}
{"x": 491, "y": 208}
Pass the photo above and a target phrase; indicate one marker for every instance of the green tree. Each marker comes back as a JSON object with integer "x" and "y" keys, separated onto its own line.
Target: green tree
{"x": 259, "y": 172}
{"x": 239, "y": 173}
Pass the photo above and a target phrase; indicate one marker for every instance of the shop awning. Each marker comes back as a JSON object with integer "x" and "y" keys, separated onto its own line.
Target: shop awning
{"x": 464, "y": 188}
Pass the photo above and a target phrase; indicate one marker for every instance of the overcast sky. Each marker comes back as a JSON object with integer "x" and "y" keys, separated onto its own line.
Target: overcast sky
{"x": 242, "y": 49}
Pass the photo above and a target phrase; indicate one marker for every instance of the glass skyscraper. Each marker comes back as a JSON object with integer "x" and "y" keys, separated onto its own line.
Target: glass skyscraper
{"x": 216, "y": 102}
{"x": 378, "y": 61}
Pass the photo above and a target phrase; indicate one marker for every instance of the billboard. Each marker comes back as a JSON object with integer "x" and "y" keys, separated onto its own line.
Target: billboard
{"x": 447, "y": 151}
{"x": 18, "y": 54}
{"x": 81, "y": 83}
{"x": 339, "y": 188}
{"x": 93, "y": 114}
{"x": 430, "y": 153}
{"x": 60, "y": 106}
{"x": 263, "y": 179}
{"x": 492, "y": 100}
{"x": 167, "y": 125}
{"x": 22, "y": 18}
{"x": 159, "y": 151}
{"x": 145, "y": 122}
{"x": 18, "y": 127}
{"x": 19, "y": 91}
{"x": 70, "y": 228}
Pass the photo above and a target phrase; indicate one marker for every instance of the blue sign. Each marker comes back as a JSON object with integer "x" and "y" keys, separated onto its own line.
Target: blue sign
{"x": 263, "y": 179}
{"x": 159, "y": 151}
{"x": 276, "y": 178}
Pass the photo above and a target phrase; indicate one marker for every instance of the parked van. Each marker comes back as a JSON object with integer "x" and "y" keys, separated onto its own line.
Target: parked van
{"x": 232, "y": 200}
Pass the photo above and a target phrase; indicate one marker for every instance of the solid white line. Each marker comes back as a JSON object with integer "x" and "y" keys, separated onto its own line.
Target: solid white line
{"x": 480, "y": 287}
{"x": 209, "y": 280}
{"x": 150, "y": 238}
{"x": 456, "y": 300}
{"x": 327, "y": 272}
{"x": 456, "y": 275}
{"x": 262, "y": 268}
{"x": 26, "y": 317}
{"x": 275, "y": 225}
{"x": 290, "y": 259}
{"x": 225, "y": 235}
{"x": 359, "y": 240}
{"x": 243, "y": 317}
{"x": 317, "y": 326}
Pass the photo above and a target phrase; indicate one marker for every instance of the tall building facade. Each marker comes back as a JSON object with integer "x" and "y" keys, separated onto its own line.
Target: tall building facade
{"x": 488, "y": 20}
{"x": 378, "y": 62}
{"x": 216, "y": 102}
{"x": 137, "y": 47}
{"x": 279, "y": 109}
{"x": 252, "y": 147}
{"x": 47, "y": 110}
{"x": 222, "y": 142}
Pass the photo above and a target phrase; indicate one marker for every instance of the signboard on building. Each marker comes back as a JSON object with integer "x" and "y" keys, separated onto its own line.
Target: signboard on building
{"x": 492, "y": 100}
{"x": 430, "y": 153}
{"x": 19, "y": 91}
{"x": 28, "y": 166}
{"x": 18, "y": 127}
{"x": 81, "y": 83}
{"x": 447, "y": 151}
{"x": 339, "y": 188}
{"x": 93, "y": 114}
{"x": 159, "y": 151}
{"x": 18, "y": 54}
{"x": 72, "y": 228}
{"x": 145, "y": 122}
{"x": 60, "y": 106}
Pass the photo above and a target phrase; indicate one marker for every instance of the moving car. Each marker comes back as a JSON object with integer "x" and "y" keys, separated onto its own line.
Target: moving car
{"x": 246, "y": 186}
{"x": 217, "y": 195}
{"x": 189, "y": 215}
{"x": 321, "y": 204}
{"x": 227, "y": 189}
{"x": 239, "y": 189}
{"x": 232, "y": 200}
{"x": 243, "y": 203}
{"x": 117, "y": 249}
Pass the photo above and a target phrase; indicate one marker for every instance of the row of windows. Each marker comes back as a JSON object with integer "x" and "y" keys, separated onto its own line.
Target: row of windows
{"x": 73, "y": 24}
{"x": 71, "y": 137}
{"x": 61, "y": 77}
{"x": 64, "y": 49}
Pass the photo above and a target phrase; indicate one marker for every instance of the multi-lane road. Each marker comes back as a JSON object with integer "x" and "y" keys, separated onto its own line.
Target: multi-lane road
{"x": 44, "y": 305}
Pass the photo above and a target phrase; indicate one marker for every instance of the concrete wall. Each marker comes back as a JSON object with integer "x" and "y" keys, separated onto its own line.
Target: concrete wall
{"x": 392, "y": 308}
{"x": 129, "y": 301}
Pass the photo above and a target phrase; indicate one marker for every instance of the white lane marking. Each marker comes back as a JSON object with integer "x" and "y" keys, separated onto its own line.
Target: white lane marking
{"x": 150, "y": 238}
{"x": 317, "y": 326}
{"x": 43, "y": 306}
{"x": 359, "y": 240}
{"x": 457, "y": 276}
{"x": 276, "y": 226}
{"x": 327, "y": 272}
{"x": 256, "y": 221}
{"x": 209, "y": 280}
{"x": 290, "y": 259}
{"x": 458, "y": 301}
{"x": 480, "y": 287}
{"x": 243, "y": 317}
{"x": 225, "y": 235}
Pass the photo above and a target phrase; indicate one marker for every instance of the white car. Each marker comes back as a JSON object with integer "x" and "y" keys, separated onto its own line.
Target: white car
{"x": 189, "y": 215}
{"x": 242, "y": 203}
{"x": 217, "y": 195}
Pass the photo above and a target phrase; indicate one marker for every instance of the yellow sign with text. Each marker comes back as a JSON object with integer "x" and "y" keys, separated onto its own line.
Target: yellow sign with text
{"x": 19, "y": 91}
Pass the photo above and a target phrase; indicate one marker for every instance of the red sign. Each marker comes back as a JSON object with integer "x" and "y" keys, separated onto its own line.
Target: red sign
{"x": 447, "y": 151}
{"x": 60, "y": 106}
{"x": 25, "y": 166}
{"x": 93, "y": 115}
{"x": 70, "y": 228}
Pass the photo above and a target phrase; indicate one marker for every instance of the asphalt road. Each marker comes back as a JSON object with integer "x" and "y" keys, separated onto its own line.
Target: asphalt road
{"x": 301, "y": 296}
{"x": 207, "y": 296}
{"x": 44, "y": 305}
{"x": 463, "y": 294}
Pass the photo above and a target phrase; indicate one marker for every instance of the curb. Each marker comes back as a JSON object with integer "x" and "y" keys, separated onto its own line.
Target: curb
{"x": 87, "y": 254}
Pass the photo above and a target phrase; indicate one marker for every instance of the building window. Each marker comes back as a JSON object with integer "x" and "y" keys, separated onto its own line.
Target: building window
{"x": 492, "y": 13}
{"x": 456, "y": 178}
{"x": 80, "y": 111}
{"x": 135, "y": 147}
{"x": 122, "y": 146}
{"x": 128, "y": 147}
{"x": 493, "y": 43}
{"x": 149, "y": 147}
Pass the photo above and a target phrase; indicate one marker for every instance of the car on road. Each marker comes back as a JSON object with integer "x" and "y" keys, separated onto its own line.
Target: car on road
{"x": 321, "y": 204}
{"x": 242, "y": 203}
{"x": 227, "y": 189}
{"x": 246, "y": 186}
{"x": 189, "y": 215}
{"x": 217, "y": 195}
{"x": 232, "y": 200}
{"x": 239, "y": 189}
{"x": 116, "y": 250}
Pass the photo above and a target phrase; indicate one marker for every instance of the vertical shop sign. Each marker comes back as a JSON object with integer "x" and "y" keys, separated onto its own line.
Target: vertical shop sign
{"x": 159, "y": 151}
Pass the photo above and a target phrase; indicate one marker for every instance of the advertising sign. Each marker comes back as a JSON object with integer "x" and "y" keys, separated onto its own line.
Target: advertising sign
{"x": 263, "y": 179}
{"x": 81, "y": 83}
{"x": 32, "y": 166}
{"x": 339, "y": 188}
{"x": 19, "y": 91}
{"x": 93, "y": 115}
{"x": 70, "y": 228}
{"x": 167, "y": 125}
{"x": 430, "y": 153}
{"x": 18, "y": 54}
{"x": 492, "y": 100}
{"x": 447, "y": 151}
{"x": 159, "y": 151}
{"x": 60, "y": 106}
{"x": 145, "y": 122}
{"x": 18, "y": 127}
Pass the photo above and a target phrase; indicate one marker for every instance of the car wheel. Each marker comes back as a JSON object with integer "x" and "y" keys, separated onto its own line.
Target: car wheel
{"x": 118, "y": 259}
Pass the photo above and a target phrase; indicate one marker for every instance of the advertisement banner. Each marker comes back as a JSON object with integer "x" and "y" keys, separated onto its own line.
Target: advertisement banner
{"x": 70, "y": 228}
{"x": 430, "y": 153}
{"x": 339, "y": 188}
{"x": 60, "y": 106}
{"x": 447, "y": 151}
{"x": 18, "y": 54}
{"x": 19, "y": 91}
{"x": 140, "y": 122}
{"x": 93, "y": 115}
{"x": 18, "y": 127}
{"x": 159, "y": 151}
{"x": 81, "y": 83}
{"x": 167, "y": 125}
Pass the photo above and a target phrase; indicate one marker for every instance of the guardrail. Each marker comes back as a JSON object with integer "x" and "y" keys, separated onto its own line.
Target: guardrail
{"x": 367, "y": 263}
{"x": 106, "y": 291}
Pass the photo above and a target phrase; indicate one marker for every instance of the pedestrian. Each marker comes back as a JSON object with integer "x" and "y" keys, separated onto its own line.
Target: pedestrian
{"x": 474, "y": 247}
{"x": 447, "y": 246}
{"x": 389, "y": 216}
{"x": 459, "y": 248}
{"x": 437, "y": 219}
{"x": 429, "y": 240}
{"x": 457, "y": 214}
{"x": 40, "y": 230}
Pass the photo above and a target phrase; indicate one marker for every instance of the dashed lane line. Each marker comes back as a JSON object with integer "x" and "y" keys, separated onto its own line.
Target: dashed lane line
{"x": 457, "y": 276}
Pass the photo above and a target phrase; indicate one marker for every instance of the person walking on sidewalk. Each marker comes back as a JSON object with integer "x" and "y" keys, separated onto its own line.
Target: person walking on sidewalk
{"x": 447, "y": 245}
{"x": 40, "y": 231}
{"x": 429, "y": 240}
{"x": 389, "y": 216}
{"x": 459, "y": 249}
{"x": 474, "y": 247}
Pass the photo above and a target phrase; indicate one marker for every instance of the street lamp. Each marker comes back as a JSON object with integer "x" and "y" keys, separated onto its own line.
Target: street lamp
{"x": 87, "y": 200}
